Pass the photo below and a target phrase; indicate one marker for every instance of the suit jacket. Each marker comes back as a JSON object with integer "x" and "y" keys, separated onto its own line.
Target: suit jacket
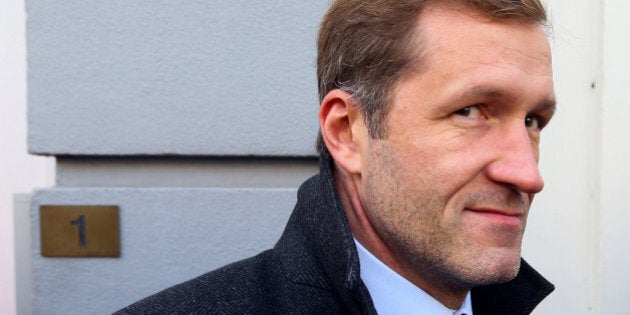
{"x": 314, "y": 269}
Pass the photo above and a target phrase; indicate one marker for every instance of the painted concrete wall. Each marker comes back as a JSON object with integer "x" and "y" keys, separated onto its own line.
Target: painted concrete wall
{"x": 165, "y": 77}
{"x": 116, "y": 80}
{"x": 168, "y": 236}
{"x": 19, "y": 172}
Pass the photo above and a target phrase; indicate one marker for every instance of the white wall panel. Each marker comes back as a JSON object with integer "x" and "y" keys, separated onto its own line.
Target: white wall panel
{"x": 562, "y": 234}
{"x": 615, "y": 235}
{"x": 19, "y": 172}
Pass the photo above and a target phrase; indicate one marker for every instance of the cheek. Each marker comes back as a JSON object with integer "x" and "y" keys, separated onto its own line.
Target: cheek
{"x": 467, "y": 154}
{"x": 427, "y": 175}
{"x": 443, "y": 168}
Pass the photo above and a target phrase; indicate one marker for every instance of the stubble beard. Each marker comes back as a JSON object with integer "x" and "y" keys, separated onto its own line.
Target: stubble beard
{"x": 410, "y": 225}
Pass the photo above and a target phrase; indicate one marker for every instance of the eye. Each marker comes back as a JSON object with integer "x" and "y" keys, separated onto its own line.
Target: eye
{"x": 472, "y": 111}
{"x": 534, "y": 122}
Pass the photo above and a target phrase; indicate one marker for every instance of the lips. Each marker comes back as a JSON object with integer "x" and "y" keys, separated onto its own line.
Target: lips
{"x": 500, "y": 217}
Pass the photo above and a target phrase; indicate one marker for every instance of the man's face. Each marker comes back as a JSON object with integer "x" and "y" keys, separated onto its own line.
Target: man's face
{"x": 450, "y": 187}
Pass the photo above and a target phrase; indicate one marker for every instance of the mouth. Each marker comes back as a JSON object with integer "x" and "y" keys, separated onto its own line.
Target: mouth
{"x": 500, "y": 217}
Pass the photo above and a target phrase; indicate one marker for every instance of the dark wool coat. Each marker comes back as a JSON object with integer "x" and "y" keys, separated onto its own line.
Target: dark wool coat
{"x": 314, "y": 269}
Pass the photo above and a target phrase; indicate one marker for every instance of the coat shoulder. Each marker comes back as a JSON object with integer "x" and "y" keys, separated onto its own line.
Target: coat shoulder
{"x": 237, "y": 286}
{"x": 257, "y": 285}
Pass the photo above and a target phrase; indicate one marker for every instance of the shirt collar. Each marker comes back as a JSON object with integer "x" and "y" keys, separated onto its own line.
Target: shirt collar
{"x": 393, "y": 294}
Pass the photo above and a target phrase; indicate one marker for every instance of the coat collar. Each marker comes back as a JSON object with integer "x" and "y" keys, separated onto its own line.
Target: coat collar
{"x": 518, "y": 296}
{"x": 319, "y": 225}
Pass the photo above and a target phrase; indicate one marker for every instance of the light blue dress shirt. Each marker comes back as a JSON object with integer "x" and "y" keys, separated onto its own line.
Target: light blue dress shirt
{"x": 393, "y": 294}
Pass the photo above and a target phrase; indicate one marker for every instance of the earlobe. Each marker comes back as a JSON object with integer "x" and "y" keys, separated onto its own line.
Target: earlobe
{"x": 343, "y": 130}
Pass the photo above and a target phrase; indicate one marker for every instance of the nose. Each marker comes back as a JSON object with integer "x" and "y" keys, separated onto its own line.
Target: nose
{"x": 516, "y": 162}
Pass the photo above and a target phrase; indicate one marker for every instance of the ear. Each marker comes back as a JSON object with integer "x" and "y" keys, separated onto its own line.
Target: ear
{"x": 343, "y": 130}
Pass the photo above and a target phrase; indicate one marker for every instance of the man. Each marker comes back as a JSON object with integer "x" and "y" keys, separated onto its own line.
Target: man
{"x": 430, "y": 119}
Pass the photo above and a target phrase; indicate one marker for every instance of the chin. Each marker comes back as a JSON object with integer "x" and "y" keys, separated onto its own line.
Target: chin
{"x": 492, "y": 268}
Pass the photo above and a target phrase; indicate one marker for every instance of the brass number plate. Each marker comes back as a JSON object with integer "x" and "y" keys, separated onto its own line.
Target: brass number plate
{"x": 79, "y": 231}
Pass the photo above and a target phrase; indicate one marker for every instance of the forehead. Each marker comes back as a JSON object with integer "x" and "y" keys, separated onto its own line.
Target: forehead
{"x": 455, "y": 35}
{"x": 464, "y": 57}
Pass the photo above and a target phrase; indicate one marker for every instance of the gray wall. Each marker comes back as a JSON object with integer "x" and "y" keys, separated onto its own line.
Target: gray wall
{"x": 172, "y": 77}
{"x": 168, "y": 235}
{"x": 577, "y": 231}
{"x": 197, "y": 118}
